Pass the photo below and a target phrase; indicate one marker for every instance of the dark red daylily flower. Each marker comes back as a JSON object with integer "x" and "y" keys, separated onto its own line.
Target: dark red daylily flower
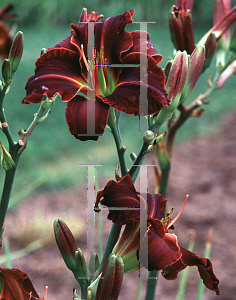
{"x": 64, "y": 68}
{"x": 5, "y": 37}
{"x": 164, "y": 253}
{"x": 16, "y": 285}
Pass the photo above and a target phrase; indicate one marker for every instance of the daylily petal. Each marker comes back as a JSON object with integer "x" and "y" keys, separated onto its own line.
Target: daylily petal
{"x": 112, "y": 33}
{"x": 159, "y": 253}
{"x": 76, "y": 117}
{"x": 16, "y": 285}
{"x": 151, "y": 51}
{"x": 125, "y": 97}
{"x": 204, "y": 268}
{"x": 57, "y": 71}
{"x": 121, "y": 194}
{"x": 156, "y": 206}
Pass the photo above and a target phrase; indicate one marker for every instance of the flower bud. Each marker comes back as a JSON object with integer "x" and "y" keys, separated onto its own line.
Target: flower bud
{"x": 210, "y": 47}
{"x": 6, "y": 160}
{"x": 81, "y": 264}
{"x": 174, "y": 86}
{"x": 93, "y": 263}
{"x": 16, "y": 51}
{"x": 194, "y": 71}
{"x": 66, "y": 244}
{"x": 148, "y": 137}
{"x": 181, "y": 28}
{"x": 111, "y": 280}
{"x": 6, "y": 71}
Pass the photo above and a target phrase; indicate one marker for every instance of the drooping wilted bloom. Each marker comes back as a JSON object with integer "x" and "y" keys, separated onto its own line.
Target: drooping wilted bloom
{"x": 5, "y": 37}
{"x": 16, "y": 285}
{"x": 65, "y": 69}
{"x": 164, "y": 253}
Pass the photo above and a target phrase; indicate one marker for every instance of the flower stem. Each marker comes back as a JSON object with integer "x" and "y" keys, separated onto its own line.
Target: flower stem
{"x": 151, "y": 285}
{"x": 9, "y": 178}
{"x": 133, "y": 172}
{"x": 112, "y": 239}
{"x": 120, "y": 149}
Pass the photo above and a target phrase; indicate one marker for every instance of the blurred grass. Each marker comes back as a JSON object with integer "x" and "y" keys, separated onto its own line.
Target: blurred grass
{"x": 52, "y": 153}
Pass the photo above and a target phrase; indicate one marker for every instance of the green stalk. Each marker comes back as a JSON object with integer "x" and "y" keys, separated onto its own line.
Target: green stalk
{"x": 164, "y": 182}
{"x": 120, "y": 149}
{"x": 151, "y": 285}
{"x": 112, "y": 239}
{"x": 6, "y": 193}
{"x": 133, "y": 172}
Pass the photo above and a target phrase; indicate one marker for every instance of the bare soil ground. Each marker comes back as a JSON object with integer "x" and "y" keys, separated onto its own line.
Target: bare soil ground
{"x": 204, "y": 168}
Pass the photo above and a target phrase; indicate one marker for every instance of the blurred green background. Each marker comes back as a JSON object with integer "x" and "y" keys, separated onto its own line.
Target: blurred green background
{"x": 52, "y": 157}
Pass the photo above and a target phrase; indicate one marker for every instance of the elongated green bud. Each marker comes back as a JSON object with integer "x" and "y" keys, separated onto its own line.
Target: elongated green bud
{"x": 194, "y": 71}
{"x": 6, "y": 71}
{"x": 16, "y": 51}
{"x": 6, "y": 160}
{"x": 81, "y": 264}
{"x": 66, "y": 244}
{"x": 93, "y": 263}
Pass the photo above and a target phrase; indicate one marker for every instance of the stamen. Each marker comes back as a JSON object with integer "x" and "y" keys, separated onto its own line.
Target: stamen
{"x": 83, "y": 55}
{"x": 46, "y": 292}
{"x": 178, "y": 215}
